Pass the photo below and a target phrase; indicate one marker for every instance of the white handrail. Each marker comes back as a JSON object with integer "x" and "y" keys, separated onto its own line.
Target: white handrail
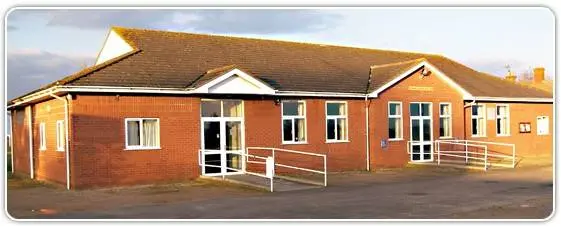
{"x": 273, "y": 150}
{"x": 476, "y": 155}
{"x": 513, "y": 164}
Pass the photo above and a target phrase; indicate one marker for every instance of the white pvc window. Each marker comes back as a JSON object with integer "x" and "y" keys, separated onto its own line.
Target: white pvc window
{"x": 543, "y": 125}
{"x": 142, "y": 133}
{"x": 478, "y": 126}
{"x": 395, "y": 121}
{"x": 445, "y": 120}
{"x": 336, "y": 121}
{"x": 503, "y": 120}
{"x": 42, "y": 137}
{"x": 293, "y": 121}
{"x": 60, "y": 135}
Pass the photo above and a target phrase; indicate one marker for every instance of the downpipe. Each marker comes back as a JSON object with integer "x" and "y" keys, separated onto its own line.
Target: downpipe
{"x": 65, "y": 100}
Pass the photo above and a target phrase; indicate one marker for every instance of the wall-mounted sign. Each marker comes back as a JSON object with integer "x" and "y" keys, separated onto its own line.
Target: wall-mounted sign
{"x": 524, "y": 127}
{"x": 384, "y": 143}
{"x": 419, "y": 88}
{"x": 490, "y": 113}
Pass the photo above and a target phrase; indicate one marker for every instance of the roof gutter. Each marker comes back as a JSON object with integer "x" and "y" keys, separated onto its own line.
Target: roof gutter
{"x": 509, "y": 99}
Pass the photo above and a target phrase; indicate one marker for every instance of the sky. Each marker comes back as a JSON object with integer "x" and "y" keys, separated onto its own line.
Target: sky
{"x": 46, "y": 45}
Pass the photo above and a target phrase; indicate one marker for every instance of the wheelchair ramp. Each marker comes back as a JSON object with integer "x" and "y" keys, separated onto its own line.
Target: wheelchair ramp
{"x": 280, "y": 184}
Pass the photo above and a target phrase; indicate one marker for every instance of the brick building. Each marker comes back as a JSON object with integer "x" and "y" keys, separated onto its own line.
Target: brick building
{"x": 156, "y": 103}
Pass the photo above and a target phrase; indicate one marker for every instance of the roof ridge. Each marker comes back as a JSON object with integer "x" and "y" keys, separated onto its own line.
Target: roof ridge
{"x": 273, "y": 40}
{"x": 398, "y": 63}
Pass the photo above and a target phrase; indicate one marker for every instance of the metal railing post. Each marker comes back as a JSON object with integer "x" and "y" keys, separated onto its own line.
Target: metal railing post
{"x": 485, "y": 158}
{"x": 324, "y": 171}
{"x": 438, "y": 151}
{"x": 513, "y": 155}
{"x": 467, "y": 154}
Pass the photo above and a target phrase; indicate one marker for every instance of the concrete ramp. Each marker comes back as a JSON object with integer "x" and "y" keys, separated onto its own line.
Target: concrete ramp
{"x": 279, "y": 184}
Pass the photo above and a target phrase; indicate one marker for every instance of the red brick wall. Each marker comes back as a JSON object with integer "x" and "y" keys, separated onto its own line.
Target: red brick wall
{"x": 527, "y": 144}
{"x": 99, "y": 156}
{"x": 263, "y": 129}
{"x": 49, "y": 164}
{"x": 395, "y": 154}
{"x": 20, "y": 138}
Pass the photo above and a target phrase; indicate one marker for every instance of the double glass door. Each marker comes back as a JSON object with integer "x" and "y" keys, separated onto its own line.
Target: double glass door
{"x": 420, "y": 114}
{"x": 222, "y": 136}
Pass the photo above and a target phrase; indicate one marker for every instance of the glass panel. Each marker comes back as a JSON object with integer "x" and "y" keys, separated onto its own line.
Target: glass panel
{"x": 151, "y": 132}
{"x": 133, "y": 133}
{"x": 232, "y": 108}
{"x": 212, "y": 135}
{"x": 233, "y": 161}
{"x": 233, "y": 135}
{"x": 444, "y": 109}
{"x": 474, "y": 126}
{"x": 441, "y": 130}
{"x": 481, "y": 126}
{"x": 287, "y": 130}
{"x": 445, "y": 127}
{"x": 499, "y": 126}
{"x": 210, "y": 108}
{"x": 300, "y": 130}
{"x": 334, "y": 109}
{"x": 213, "y": 159}
{"x": 341, "y": 129}
{"x": 474, "y": 111}
{"x": 426, "y": 130}
{"x": 291, "y": 108}
{"x": 395, "y": 109}
{"x": 330, "y": 129}
{"x": 425, "y": 109}
{"x": 414, "y": 109}
{"x": 427, "y": 151}
{"x": 416, "y": 133}
{"x": 416, "y": 150}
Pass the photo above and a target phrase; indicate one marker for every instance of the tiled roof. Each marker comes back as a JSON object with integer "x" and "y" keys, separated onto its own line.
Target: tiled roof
{"x": 181, "y": 60}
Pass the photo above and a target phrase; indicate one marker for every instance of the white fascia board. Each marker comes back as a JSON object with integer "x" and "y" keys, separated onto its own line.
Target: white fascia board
{"x": 440, "y": 74}
{"x": 510, "y": 99}
{"x": 264, "y": 88}
{"x": 319, "y": 94}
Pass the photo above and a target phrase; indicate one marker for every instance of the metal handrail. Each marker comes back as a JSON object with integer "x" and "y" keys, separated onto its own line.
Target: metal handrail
{"x": 513, "y": 164}
{"x": 469, "y": 143}
{"x": 273, "y": 150}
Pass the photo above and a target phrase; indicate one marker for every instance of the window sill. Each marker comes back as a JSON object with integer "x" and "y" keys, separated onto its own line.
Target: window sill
{"x": 142, "y": 148}
{"x": 60, "y": 150}
{"x": 293, "y": 143}
{"x": 476, "y": 136}
{"x": 43, "y": 149}
{"x": 446, "y": 137}
{"x": 503, "y": 135}
{"x": 400, "y": 139}
{"x": 337, "y": 141}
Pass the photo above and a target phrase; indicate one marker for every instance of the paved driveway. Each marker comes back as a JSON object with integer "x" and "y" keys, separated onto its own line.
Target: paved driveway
{"x": 406, "y": 193}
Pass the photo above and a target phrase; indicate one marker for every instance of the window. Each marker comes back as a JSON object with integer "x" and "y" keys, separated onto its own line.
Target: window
{"x": 42, "y": 137}
{"x": 445, "y": 120}
{"x": 503, "y": 120}
{"x": 221, "y": 108}
{"x": 543, "y": 125}
{"x": 478, "y": 126}
{"x": 293, "y": 122}
{"x": 336, "y": 121}
{"x": 395, "y": 121}
{"x": 60, "y": 135}
{"x": 142, "y": 133}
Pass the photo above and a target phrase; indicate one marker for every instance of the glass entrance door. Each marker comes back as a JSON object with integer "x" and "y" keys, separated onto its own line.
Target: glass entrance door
{"x": 420, "y": 114}
{"x": 222, "y": 136}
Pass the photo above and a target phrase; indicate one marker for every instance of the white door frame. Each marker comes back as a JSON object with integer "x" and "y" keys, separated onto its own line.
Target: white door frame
{"x": 421, "y": 142}
{"x": 222, "y": 151}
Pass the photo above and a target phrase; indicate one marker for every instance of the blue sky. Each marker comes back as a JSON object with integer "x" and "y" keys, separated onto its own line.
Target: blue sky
{"x": 45, "y": 45}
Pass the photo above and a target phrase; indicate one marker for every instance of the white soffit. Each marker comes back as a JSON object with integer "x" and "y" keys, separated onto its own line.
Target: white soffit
{"x": 113, "y": 47}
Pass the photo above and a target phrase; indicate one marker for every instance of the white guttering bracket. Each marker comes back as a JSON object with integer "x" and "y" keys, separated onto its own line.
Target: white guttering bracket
{"x": 66, "y": 117}
{"x": 440, "y": 74}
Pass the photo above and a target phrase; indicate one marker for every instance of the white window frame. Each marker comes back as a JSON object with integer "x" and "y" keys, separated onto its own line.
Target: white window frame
{"x": 445, "y": 116}
{"x": 336, "y": 117}
{"x": 484, "y": 113}
{"x": 292, "y": 119}
{"x": 141, "y": 132}
{"x": 537, "y": 126}
{"x": 507, "y": 121}
{"x": 60, "y": 135}
{"x": 42, "y": 137}
{"x": 396, "y": 116}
